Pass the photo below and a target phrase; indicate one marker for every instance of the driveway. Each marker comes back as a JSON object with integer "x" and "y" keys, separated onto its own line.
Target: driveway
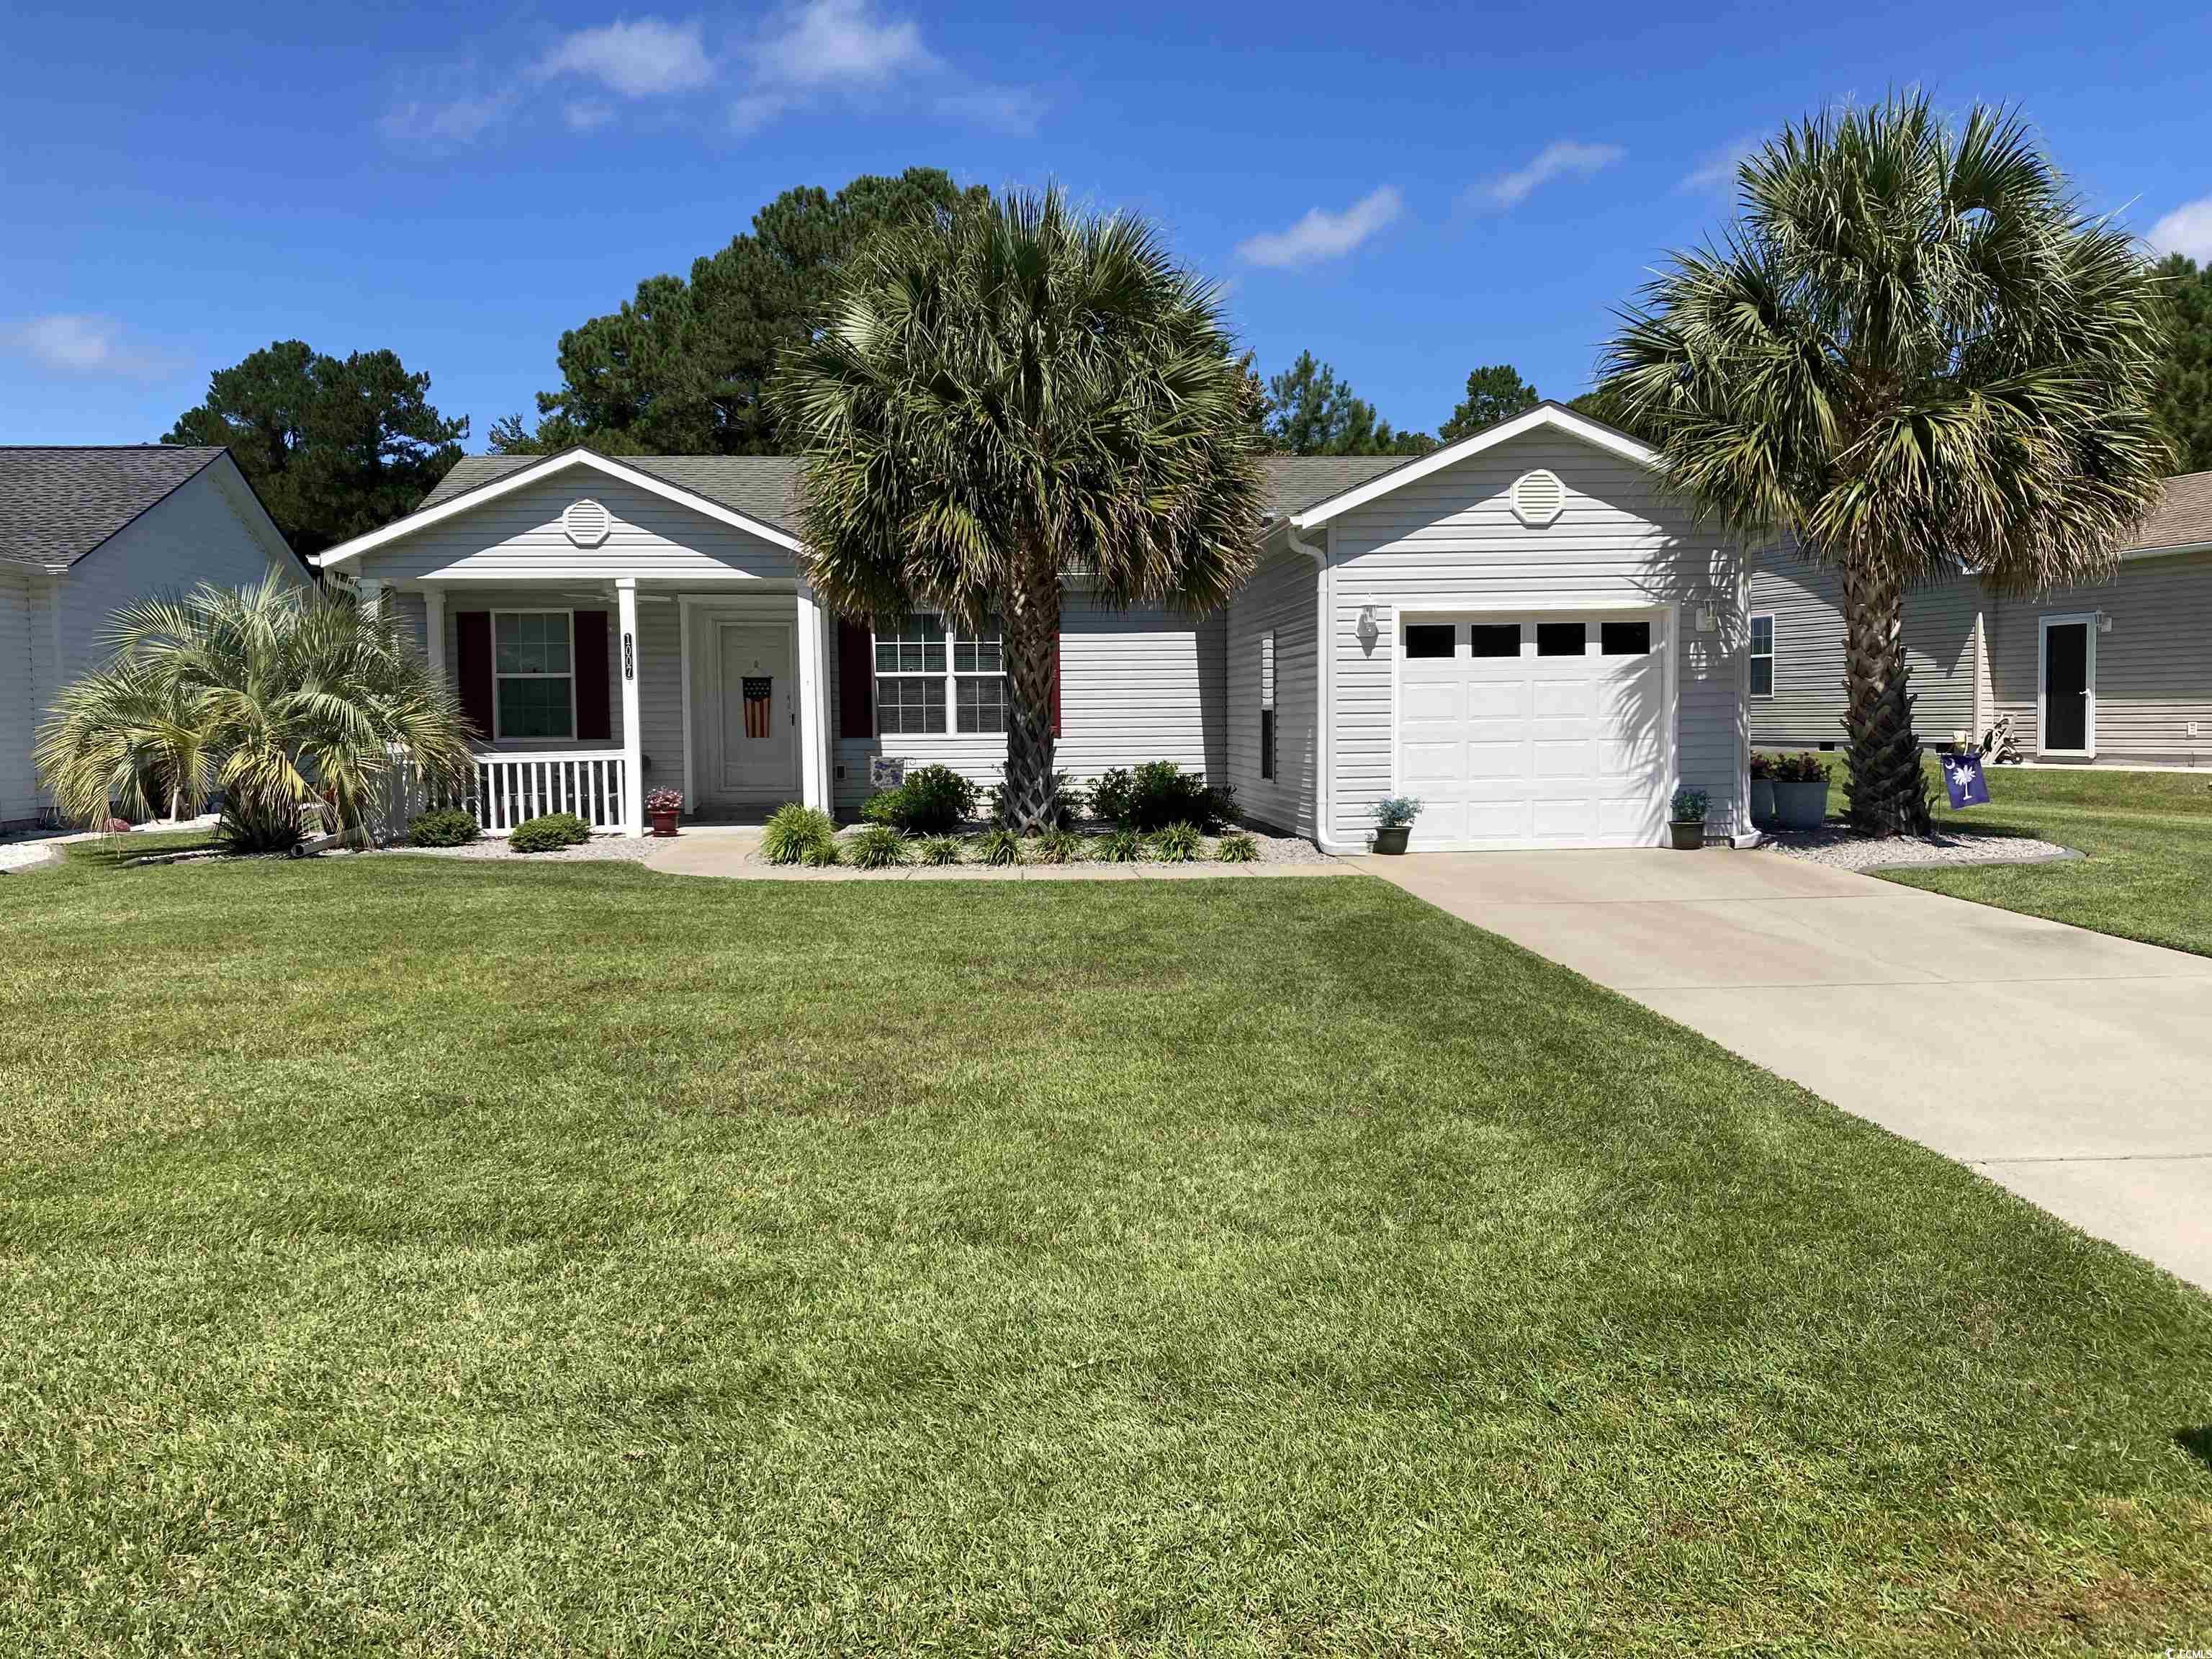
{"x": 2070, "y": 1066}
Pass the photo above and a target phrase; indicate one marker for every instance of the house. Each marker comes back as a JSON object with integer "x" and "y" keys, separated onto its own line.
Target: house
{"x": 85, "y": 532}
{"x": 2116, "y": 672}
{"x": 1520, "y": 628}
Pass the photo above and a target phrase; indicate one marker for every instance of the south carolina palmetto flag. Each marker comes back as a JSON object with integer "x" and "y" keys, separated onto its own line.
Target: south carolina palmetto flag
{"x": 757, "y": 687}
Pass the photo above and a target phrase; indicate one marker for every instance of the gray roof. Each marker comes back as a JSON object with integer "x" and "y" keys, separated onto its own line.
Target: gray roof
{"x": 765, "y": 487}
{"x": 2183, "y": 517}
{"x": 63, "y": 503}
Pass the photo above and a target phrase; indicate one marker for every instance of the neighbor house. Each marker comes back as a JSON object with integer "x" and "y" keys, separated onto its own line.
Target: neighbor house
{"x": 2119, "y": 672}
{"x": 1520, "y": 628}
{"x": 85, "y": 531}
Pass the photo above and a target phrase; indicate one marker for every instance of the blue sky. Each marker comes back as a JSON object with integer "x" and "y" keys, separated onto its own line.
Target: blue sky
{"x": 1408, "y": 190}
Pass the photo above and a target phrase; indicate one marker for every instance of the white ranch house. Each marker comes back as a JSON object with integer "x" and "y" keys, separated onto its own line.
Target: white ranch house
{"x": 1520, "y": 628}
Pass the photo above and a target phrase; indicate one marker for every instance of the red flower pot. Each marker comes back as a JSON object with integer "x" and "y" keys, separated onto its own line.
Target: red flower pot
{"x": 664, "y": 823}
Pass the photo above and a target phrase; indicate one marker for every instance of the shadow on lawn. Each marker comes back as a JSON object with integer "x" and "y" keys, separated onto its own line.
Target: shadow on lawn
{"x": 117, "y": 852}
{"x": 2197, "y": 1443}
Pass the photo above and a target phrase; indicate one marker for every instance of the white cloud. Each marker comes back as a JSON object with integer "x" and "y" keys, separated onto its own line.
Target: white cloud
{"x": 446, "y": 122}
{"x": 823, "y": 43}
{"x": 1556, "y": 160}
{"x": 1322, "y": 235}
{"x": 78, "y": 342}
{"x": 2187, "y": 229}
{"x": 642, "y": 59}
{"x": 1716, "y": 169}
{"x": 755, "y": 110}
{"x": 1015, "y": 111}
{"x": 587, "y": 114}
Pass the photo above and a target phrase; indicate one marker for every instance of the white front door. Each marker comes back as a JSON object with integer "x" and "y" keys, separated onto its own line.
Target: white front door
{"x": 758, "y": 716}
{"x": 1535, "y": 731}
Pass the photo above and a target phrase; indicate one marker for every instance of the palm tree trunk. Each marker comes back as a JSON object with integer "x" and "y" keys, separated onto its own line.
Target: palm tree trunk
{"x": 1888, "y": 789}
{"x": 1031, "y": 628}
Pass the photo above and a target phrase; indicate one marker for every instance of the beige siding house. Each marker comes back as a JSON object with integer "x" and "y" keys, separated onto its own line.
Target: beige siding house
{"x": 2118, "y": 673}
{"x": 89, "y": 530}
{"x": 1520, "y": 628}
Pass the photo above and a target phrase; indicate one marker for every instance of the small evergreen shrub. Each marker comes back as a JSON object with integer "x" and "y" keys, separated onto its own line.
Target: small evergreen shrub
{"x": 938, "y": 850}
{"x": 1398, "y": 812}
{"x": 1058, "y": 846}
{"x": 999, "y": 846}
{"x": 1120, "y": 847}
{"x": 1237, "y": 849}
{"x": 878, "y": 847}
{"x": 821, "y": 855}
{"x": 932, "y": 800}
{"x": 554, "y": 830}
{"x": 1688, "y": 806}
{"x": 450, "y": 827}
{"x": 1159, "y": 794}
{"x": 1109, "y": 795}
{"x": 1178, "y": 844}
{"x": 791, "y": 829}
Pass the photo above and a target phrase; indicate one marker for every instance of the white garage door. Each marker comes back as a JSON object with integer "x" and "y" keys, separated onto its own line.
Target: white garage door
{"x": 1535, "y": 731}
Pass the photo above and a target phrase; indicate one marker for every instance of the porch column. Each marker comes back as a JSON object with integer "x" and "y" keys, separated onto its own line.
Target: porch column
{"x": 433, "y": 630}
{"x": 371, "y": 595}
{"x": 633, "y": 810}
{"x": 813, "y": 702}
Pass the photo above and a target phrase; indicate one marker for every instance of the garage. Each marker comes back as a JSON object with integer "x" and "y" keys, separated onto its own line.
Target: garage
{"x": 1544, "y": 729}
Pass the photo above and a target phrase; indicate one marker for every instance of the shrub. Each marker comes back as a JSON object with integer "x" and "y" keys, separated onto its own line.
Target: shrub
{"x": 1397, "y": 813}
{"x": 1237, "y": 849}
{"x": 938, "y": 850}
{"x": 791, "y": 829}
{"x": 999, "y": 846}
{"x": 1689, "y": 806}
{"x": 932, "y": 800}
{"x": 1162, "y": 794}
{"x": 1178, "y": 844}
{"x": 1120, "y": 847}
{"x": 878, "y": 847}
{"x": 543, "y": 835}
{"x": 1799, "y": 768}
{"x": 1109, "y": 795}
{"x": 821, "y": 855}
{"x": 449, "y": 827}
{"x": 1058, "y": 846}
{"x": 1067, "y": 803}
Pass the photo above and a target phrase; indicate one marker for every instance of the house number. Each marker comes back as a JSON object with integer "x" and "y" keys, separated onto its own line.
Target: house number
{"x": 629, "y": 656}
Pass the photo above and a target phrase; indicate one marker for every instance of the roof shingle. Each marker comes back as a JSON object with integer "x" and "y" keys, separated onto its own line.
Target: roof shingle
{"x": 2183, "y": 517}
{"x": 64, "y": 501}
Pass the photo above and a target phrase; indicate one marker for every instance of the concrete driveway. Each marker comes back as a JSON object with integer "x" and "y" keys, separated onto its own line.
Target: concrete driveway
{"x": 2075, "y": 1068}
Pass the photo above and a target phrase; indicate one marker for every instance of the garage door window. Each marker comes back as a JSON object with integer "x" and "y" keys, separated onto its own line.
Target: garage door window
{"x": 1495, "y": 640}
{"x": 1429, "y": 639}
{"x": 1559, "y": 639}
{"x": 1623, "y": 639}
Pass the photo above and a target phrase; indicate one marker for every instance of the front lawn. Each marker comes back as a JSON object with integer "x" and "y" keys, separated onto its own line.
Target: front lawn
{"x": 418, "y": 1256}
{"x": 2147, "y": 835}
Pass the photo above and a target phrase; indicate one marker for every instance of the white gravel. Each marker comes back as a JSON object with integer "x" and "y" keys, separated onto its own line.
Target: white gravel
{"x": 1846, "y": 851}
{"x": 23, "y": 855}
{"x": 630, "y": 849}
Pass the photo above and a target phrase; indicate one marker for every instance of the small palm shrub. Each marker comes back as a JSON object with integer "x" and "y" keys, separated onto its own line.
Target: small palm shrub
{"x": 548, "y": 832}
{"x": 792, "y": 829}
{"x": 1237, "y": 849}
{"x": 821, "y": 855}
{"x": 938, "y": 850}
{"x": 932, "y": 800}
{"x": 998, "y": 846}
{"x": 448, "y": 827}
{"x": 878, "y": 847}
{"x": 1058, "y": 846}
{"x": 1178, "y": 844}
{"x": 1120, "y": 847}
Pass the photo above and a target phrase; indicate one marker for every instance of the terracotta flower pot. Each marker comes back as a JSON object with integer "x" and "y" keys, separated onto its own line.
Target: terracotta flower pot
{"x": 664, "y": 823}
{"x": 1393, "y": 839}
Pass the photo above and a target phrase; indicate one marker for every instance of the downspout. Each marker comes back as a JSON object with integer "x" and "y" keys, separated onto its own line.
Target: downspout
{"x": 1324, "y": 667}
{"x": 1745, "y": 834}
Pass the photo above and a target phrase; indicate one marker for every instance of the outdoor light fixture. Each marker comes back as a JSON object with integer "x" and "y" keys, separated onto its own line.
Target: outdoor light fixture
{"x": 2103, "y": 622}
{"x": 1368, "y": 631}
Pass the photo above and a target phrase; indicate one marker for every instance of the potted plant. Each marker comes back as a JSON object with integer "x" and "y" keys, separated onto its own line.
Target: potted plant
{"x": 663, "y": 807}
{"x": 1393, "y": 822}
{"x": 1762, "y": 789}
{"x": 1801, "y": 792}
{"x": 1685, "y": 819}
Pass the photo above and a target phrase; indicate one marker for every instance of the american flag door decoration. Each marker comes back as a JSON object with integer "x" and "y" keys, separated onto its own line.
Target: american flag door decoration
{"x": 758, "y": 690}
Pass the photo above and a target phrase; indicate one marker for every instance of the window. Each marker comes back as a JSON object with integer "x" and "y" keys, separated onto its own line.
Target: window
{"x": 1560, "y": 639}
{"x": 1268, "y": 704}
{"x": 1623, "y": 639}
{"x": 1762, "y": 656}
{"x": 1494, "y": 639}
{"x": 1429, "y": 639}
{"x": 533, "y": 674}
{"x": 925, "y": 672}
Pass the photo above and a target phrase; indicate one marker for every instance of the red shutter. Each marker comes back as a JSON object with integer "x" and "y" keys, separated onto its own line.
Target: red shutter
{"x": 856, "y": 681}
{"x": 594, "y": 719}
{"x": 473, "y": 667}
{"x": 1055, "y": 685}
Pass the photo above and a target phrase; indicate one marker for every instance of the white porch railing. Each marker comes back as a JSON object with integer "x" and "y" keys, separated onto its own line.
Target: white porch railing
{"x": 507, "y": 789}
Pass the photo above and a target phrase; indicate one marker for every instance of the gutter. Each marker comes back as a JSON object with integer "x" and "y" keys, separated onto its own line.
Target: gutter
{"x": 1324, "y": 702}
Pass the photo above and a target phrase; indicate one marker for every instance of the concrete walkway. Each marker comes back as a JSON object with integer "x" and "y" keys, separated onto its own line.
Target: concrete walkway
{"x": 2072, "y": 1067}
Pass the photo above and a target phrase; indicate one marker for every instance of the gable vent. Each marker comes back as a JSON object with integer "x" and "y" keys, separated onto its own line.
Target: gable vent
{"x": 587, "y": 523}
{"x": 1538, "y": 497}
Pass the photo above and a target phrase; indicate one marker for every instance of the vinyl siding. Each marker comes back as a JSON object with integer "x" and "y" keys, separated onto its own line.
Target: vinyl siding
{"x": 659, "y": 674}
{"x": 519, "y": 535}
{"x": 2153, "y": 669}
{"x": 18, "y": 705}
{"x": 1279, "y": 598}
{"x": 1451, "y": 540}
{"x": 1134, "y": 685}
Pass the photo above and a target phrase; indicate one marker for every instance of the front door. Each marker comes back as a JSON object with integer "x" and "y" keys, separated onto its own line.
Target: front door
{"x": 2066, "y": 687}
{"x": 759, "y": 715}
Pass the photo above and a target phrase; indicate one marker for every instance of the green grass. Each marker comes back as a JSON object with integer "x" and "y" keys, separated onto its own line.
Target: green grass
{"x": 408, "y": 1256}
{"x": 2148, "y": 837}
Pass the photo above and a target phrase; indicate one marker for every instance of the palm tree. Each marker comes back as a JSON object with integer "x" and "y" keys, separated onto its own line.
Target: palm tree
{"x": 1006, "y": 395}
{"x": 280, "y": 698}
{"x": 1913, "y": 354}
